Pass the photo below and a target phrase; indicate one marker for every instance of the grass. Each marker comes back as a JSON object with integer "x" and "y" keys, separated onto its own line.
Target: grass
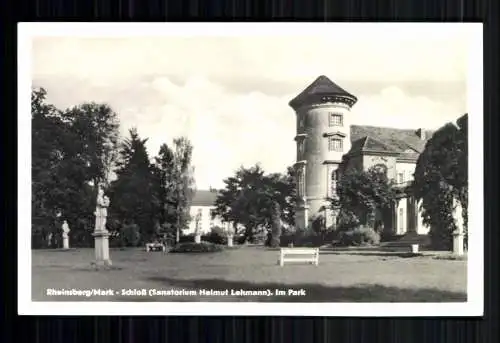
{"x": 350, "y": 276}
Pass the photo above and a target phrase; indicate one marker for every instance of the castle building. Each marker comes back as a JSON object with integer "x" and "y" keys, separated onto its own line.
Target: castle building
{"x": 202, "y": 204}
{"x": 200, "y": 211}
{"x": 327, "y": 145}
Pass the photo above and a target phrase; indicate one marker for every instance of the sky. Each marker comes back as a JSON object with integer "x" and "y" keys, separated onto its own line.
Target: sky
{"x": 229, "y": 94}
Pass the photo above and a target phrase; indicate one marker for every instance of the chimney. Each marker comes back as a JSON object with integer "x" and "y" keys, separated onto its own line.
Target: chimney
{"x": 421, "y": 134}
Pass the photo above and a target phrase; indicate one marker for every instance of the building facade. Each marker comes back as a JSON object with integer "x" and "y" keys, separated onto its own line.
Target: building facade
{"x": 328, "y": 145}
{"x": 202, "y": 204}
{"x": 201, "y": 212}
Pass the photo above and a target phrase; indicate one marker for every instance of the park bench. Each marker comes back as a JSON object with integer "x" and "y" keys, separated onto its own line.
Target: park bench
{"x": 155, "y": 247}
{"x": 309, "y": 255}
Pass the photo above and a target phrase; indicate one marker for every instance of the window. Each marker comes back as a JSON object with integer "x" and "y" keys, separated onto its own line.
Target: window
{"x": 401, "y": 177}
{"x": 301, "y": 148}
{"x": 334, "y": 179}
{"x": 335, "y": 119}
{"x": 335, "y": 144}
{"x": 301, "y": 123}
{"x": 401, "y": 220}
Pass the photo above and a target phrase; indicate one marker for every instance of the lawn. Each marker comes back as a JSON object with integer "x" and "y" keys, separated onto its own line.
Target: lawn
{"x": 340, "y": 277}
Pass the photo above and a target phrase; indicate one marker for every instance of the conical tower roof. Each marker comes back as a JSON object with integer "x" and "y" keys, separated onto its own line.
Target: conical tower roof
{"x": 320, "y": 90}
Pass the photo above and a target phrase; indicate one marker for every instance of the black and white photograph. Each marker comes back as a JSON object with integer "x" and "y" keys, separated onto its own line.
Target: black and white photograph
{"x": 235, "y": 169}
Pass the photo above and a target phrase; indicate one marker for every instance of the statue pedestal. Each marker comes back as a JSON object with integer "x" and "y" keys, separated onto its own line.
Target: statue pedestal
{"x": 65, "y": 241}
{"x": 458, "y": 243}
{"x": 197, "y": 239}
{"x": 101, "y": 248}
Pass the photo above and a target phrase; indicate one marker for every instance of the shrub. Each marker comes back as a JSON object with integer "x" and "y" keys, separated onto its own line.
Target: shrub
{"x": 191, "y": 247}
{"x": 130, "y": 235}
{"x": 286, "y": 239}
{"x": 189, "y": 238}
{"x": 388, "y": 236}
{"x": 239, "y": 239}
{"x": 361, "y": 235}
{"x": 347, "y": 220}
{"x": 215, "y": 237}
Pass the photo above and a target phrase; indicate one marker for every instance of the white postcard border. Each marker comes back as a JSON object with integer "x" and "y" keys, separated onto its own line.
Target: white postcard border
{"x": 474, "y": 305}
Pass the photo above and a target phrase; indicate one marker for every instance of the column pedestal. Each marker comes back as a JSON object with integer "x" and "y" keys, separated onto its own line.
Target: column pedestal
{"x": 65, "y": 241}
{"x": 101, "y": 248}
{"x": 458, "y": 243}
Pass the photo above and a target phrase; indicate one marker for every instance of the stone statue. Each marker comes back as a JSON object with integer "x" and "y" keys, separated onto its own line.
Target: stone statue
{"x": 458, "y": 234}
{"x": 101, "y": 235}
{"x": 230, "y": 233}
{"x": 65, "y": 228}
{"x": 65, "y": 236}
{"x": 101, "y": 212}
{"x": 457, "y": 214}
{"x": 197, "y": 233}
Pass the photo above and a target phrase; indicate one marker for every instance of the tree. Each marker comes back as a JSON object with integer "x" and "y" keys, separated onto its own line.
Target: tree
{"x": 166, "y": 184}
{"x": 97, "y": 128}
{"x": 361, "y": 193}
{"x": 133, "y": 194}
{"x": 276, "y": 225}
{"x": 59, "y": 175}
{"x": 184, "y": 182}
{"x": 285, "y": 193}
{"x": 440, "y": 177}
{"x": 47, "y": 154}
{"x": 248, "y": 198}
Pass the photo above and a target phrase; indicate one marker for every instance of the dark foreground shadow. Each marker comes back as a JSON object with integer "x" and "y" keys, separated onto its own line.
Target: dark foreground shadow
{"x": 314, "y": 292}
{"x": 374, "y": 254}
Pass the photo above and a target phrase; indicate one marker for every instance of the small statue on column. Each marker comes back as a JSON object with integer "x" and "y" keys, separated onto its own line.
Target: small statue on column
{"x": 101, "y": 235}
{"x": 197, "y": 233}
{"x": 101, "y": 212}
{"x": 65, "y": 236}
{"x": 230, "y": 234}
{"x": 458, "y": 234}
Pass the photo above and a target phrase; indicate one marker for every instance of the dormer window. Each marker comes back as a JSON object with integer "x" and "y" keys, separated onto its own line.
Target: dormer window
{"x": 335, "y": 144}
{"x": 335, "y": 119}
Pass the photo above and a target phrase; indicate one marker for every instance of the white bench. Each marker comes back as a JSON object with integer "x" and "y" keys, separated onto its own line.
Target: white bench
{"x": 309, "y": 255}
{"x": 155, "y": 247}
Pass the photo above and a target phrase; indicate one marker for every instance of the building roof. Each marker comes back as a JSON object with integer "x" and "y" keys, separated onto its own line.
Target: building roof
{"x": 405, "y": 142}
{"x": 322, "y": 86}
{"x": 204, "y": 198}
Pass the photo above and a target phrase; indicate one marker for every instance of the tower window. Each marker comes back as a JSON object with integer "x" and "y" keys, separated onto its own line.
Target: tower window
{"x": 334, "y": 178}
{"x": 335, "y": 144}
{"x": 335, "y": 119}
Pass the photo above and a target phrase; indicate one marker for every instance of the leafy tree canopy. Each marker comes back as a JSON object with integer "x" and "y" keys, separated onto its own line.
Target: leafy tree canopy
{"x": 361, "y": 193}
{"x": 249, "y": 197}
{"x": 441, "y": 178}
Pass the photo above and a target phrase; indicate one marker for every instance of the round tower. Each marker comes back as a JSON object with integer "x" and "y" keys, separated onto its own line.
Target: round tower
{"x": 323, "y": 137}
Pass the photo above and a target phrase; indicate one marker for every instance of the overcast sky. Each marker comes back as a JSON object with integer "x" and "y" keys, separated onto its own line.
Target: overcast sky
{"x": 229, "y": 95}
